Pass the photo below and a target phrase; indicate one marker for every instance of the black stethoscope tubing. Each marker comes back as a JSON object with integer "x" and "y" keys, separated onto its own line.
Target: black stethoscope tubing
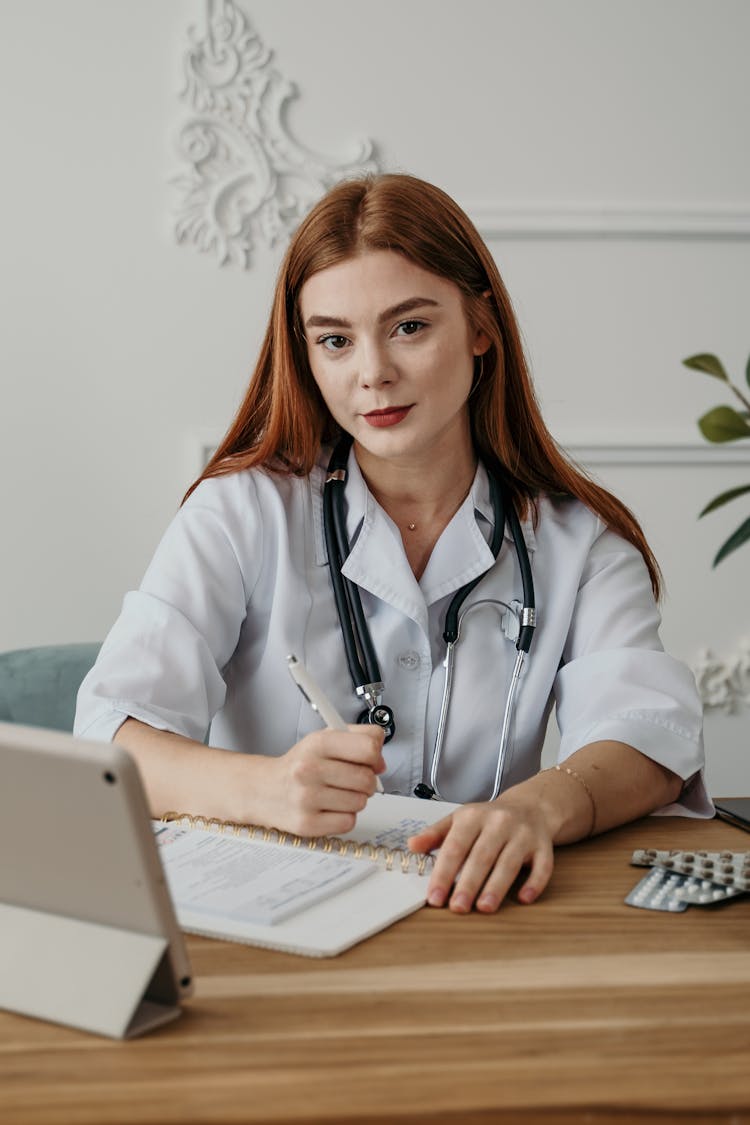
{"x": 361, "y": 658}
{"x": 360, "y": 653}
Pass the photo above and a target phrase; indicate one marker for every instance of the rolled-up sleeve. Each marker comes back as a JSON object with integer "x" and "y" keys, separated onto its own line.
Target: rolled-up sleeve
{"x": 616, "y": 682}
{"x": 163, "y": 659}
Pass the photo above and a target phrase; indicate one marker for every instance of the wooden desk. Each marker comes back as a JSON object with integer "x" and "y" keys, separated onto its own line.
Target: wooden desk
{"x": 577, "y": 1008}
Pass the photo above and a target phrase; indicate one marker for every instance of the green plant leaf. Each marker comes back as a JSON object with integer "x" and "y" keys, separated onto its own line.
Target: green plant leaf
{"x": 740, "y": 536}
{"x": 724, "y": 424}
{"x": 709, "y": 364}
{"x": 724, "y": 498}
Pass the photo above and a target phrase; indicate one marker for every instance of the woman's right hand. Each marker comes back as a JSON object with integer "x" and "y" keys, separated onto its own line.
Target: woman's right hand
{"x": 315, "y": 789}
{"x": 318, "y": 787}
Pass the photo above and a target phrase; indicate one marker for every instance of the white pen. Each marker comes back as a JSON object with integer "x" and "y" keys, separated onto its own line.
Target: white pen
{"x": 318, "y": 700}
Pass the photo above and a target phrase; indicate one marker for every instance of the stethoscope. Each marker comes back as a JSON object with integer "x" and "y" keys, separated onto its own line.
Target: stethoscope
{"x": 360, "y": 653}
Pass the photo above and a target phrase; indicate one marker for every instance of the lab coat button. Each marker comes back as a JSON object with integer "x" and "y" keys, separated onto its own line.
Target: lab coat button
{"x": 409, "y": 659}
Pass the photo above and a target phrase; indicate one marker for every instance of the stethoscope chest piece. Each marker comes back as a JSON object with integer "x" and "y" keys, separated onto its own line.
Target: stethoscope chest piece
{"x": 380, "y": 716}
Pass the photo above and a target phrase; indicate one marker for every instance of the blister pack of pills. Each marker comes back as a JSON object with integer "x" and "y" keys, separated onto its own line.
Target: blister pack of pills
{"x": 669, "y": 890}
{"x": 728, "y": 869}
{"x": 680, "y": 879}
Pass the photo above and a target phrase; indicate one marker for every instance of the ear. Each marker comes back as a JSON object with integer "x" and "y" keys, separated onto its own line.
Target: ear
{"x": 481, "y": 342}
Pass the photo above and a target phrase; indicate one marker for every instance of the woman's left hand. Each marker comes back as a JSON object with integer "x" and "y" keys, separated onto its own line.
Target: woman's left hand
{"x": 482, "y": 849}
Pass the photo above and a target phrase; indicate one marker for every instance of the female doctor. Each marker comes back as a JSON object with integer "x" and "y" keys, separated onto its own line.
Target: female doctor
{"x": 393, "y": 345}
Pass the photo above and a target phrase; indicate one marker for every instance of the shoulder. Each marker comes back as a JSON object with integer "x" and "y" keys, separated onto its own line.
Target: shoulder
{"x": 560, "y": 519}
{"x": 565, "y": 517}
{"x": 257, "y": 511}
{"x": 571, "y": 538}
{"x": 248, "y": 492}
{"x": 235, "y": 523}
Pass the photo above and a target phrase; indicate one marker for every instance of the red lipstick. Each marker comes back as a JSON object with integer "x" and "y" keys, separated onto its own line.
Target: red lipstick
{"x": 391, "y": 416}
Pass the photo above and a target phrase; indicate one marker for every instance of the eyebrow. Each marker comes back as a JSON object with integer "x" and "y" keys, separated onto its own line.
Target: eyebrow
{"x": 402, "y": 307}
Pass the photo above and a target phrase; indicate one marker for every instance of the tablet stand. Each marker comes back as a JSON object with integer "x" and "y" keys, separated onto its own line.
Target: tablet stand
{"x": 94, "y": 977}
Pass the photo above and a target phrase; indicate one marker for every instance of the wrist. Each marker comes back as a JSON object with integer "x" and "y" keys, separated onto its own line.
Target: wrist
{"x": 563, "y": 798}
{"x": 250, "y": 788}
{"x": 570, "y": 802}
{"x": 535, "y": 799}
{"x": 581, "y": 780}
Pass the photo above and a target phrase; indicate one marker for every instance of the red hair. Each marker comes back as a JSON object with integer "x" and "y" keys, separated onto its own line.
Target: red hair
{"x": 283, "y": 419}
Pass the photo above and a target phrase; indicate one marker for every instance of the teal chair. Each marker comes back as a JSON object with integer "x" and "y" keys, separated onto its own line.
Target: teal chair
{"x": 38, "y": 686}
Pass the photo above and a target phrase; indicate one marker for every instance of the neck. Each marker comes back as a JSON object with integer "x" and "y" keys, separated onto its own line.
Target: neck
{"x": 420, "y": 492}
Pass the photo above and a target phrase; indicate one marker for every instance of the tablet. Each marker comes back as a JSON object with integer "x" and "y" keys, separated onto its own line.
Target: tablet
{"x": 88, "y": 934}
{"x": 734, "y": 809}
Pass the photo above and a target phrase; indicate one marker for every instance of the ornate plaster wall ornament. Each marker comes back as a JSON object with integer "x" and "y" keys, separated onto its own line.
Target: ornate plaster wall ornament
{"x": 244, "y": 175}
{"x": 724, "y": 683}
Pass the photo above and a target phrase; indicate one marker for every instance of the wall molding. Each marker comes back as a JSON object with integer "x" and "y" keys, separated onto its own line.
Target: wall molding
{"x": 605, "y": 220}
{"x": 200, "y": 445}
{"x": 589, "y": 447}
{"x": 624, "y": 447}
{"x": 724, "y": 682}
{"x": 244, "y": 176}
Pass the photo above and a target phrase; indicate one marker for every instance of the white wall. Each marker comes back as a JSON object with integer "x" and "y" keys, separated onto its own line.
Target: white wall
{"x": 119, "y": 348}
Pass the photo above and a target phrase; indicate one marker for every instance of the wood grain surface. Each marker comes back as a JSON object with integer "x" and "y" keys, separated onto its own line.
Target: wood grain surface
{"x": 576, "y": 1009}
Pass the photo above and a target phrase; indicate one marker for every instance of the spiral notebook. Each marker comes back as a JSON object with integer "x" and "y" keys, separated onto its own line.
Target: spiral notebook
{"x": 316, "y": 897}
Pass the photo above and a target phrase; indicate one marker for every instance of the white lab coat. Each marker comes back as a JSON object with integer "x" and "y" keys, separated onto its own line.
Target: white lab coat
{"x": 240, "y": 580}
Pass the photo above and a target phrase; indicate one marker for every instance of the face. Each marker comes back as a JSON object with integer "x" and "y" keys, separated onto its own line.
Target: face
{"x": 392, "y": 352}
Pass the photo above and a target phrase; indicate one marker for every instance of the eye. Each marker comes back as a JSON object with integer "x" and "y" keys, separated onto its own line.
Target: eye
{"x": 333, "y": 343}
{"x": 410, "y": 327}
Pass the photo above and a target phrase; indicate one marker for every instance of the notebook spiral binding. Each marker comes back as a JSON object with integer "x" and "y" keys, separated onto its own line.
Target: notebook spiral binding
{"x": 391, "y": 858}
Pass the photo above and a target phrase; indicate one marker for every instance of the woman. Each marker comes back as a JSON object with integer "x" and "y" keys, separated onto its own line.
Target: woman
{"x": 391, "y": 329}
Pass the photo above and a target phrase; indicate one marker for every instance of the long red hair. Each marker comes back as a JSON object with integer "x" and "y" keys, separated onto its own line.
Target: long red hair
{"x": 283, "y": 419}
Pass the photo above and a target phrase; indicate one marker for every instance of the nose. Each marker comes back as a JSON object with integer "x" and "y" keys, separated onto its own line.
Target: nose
{"x": 375, "y": 366}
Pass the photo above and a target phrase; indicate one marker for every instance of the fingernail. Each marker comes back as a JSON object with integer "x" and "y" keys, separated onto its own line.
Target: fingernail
{"x": 528, "y": 894}
{"x": 461, "y": 903}
{"x": 488, "y": 902}
{"x": 436, "y": 897}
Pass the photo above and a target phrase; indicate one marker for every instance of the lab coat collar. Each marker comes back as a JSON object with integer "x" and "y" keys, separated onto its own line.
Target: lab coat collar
{"x": 377, "y": 561}
{"x": 357, "y": 493}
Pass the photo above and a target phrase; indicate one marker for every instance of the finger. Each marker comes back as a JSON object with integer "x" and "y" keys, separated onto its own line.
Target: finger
{"x": 323, "y": 749}
{"x": 431, "y": 836}
{"x": 363, "y": 745}
{"x": 314, "y": 824}
{"x": 506, "y": 870}
{"x": 333, "y": 799}
{"x": 453, "y": 852}
{"x": 369, "y": 730}
{"x": 539, "y": 876}
{"x": 491, "y": 867}
{"x": 327, "y": 783}
{"x": 345, "y": 776}
{"x": 490, "y": 890}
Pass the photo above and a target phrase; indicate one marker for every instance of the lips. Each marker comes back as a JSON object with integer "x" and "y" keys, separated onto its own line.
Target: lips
{"x": 390, "y": 416}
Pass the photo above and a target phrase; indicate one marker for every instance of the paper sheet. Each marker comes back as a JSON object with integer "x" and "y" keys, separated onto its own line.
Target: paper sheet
{"x": 249, "y": 881}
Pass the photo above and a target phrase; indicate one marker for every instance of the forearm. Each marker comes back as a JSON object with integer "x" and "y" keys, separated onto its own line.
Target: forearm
{"x": 621, "y": 784}
{"x": 181, "y": 775}
{"x": 316, "y": 788}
